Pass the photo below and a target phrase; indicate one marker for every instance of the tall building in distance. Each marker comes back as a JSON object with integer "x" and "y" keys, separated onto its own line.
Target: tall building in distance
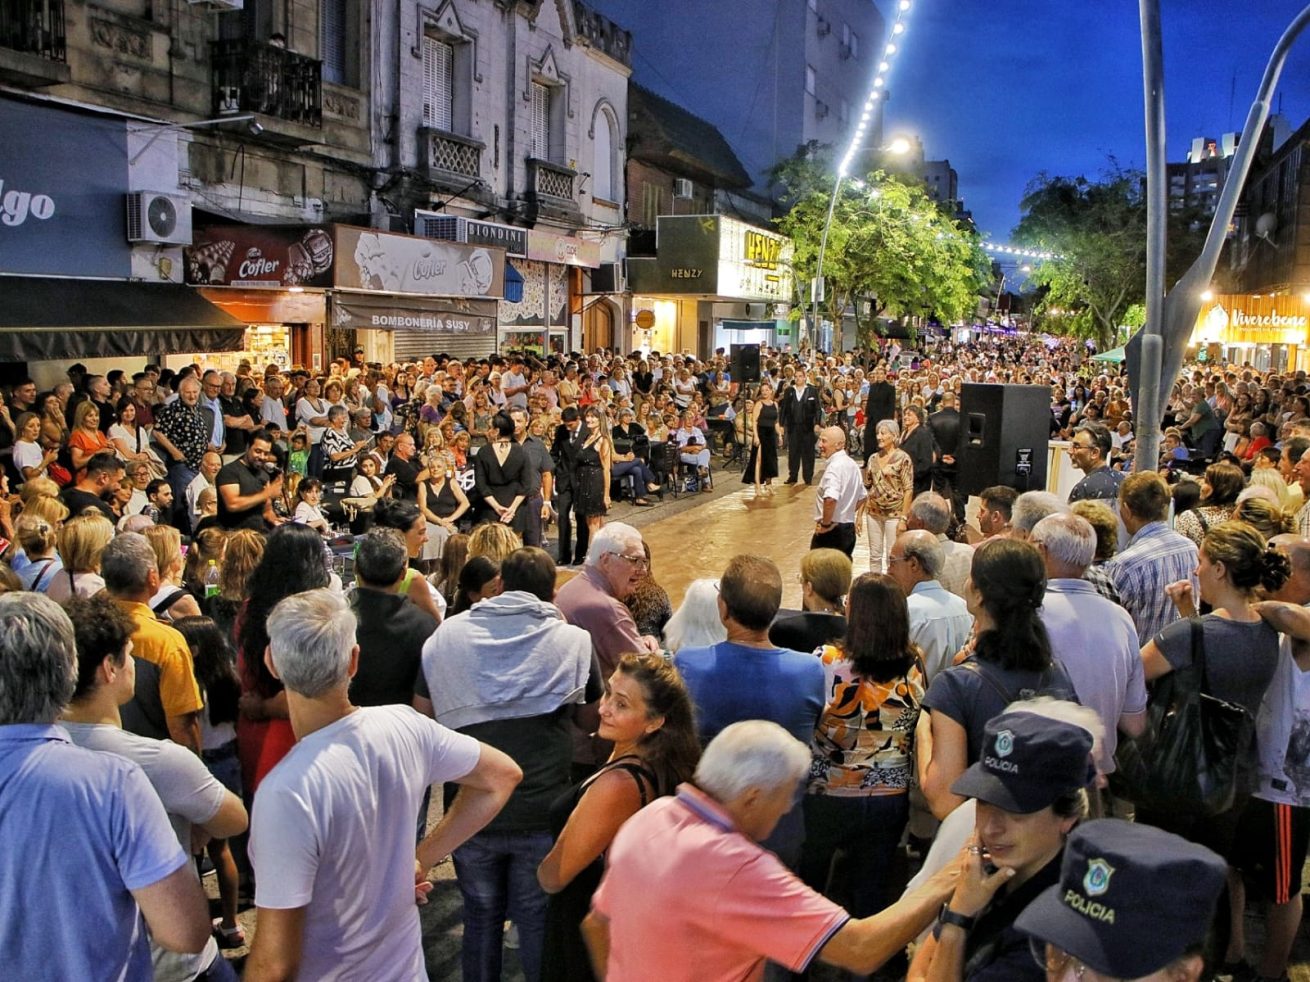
{"x": 795, "y": 70}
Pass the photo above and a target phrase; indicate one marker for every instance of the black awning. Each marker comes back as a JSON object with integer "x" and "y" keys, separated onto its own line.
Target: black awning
{"x": 44, "y": 317}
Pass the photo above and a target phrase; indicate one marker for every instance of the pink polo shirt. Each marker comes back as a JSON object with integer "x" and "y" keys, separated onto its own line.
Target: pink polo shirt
{"x": 690, "y": 898}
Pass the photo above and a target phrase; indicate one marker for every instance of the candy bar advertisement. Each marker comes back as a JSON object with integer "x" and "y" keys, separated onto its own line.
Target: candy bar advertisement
{"x": 260, "y": 256}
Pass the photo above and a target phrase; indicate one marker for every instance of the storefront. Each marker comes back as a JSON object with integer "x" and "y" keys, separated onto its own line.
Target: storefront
{"x": 74, "y": 287}
{"x": 307, "y": 294}
{"x": 419, "y": 296}
{"x": 714, "y": 282}
{"x": 274, "y": 278}
{"x": 542, "y": 319}
{"x": 1263, "y": 331}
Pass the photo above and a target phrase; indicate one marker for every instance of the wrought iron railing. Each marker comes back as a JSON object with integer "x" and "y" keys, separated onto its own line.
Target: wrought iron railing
{"x": 551, "y": 180}
{"x": 447, "y": 154}
{"x": 252, "y": 77}
{"x": 34, "y": 27}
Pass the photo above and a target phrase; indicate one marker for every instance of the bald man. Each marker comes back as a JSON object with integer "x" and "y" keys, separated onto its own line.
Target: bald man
{"x": 841, "y": 491}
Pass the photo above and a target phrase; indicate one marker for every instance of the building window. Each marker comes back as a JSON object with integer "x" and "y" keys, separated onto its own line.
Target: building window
{"x": 809, "y": 79}
{"x": 814, "y": 5}
{"x": 843, "y": 111}
{"x": 604, "y": 168}
{"x": 846, "y": 35}
{"x": 540, "y": 143}
{"x": 438, "y": 84}
{"x": 334, "y": 46}
{"x": 855, "y": 45}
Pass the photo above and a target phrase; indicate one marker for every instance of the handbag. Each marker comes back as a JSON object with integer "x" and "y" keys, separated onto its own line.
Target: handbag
{"x": 1189, "y": 759}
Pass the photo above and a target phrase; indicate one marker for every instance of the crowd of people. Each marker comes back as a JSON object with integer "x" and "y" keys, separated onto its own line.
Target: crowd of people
{"x": 267, "y": 618}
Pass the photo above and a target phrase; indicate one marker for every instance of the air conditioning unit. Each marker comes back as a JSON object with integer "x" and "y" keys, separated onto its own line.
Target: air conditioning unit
{"x": 820, "y": 109}
{"x": 608, "y": 278}
{"x": 153, "y": 216}
{"x": 682, "y": 188}
{"x": 844, "y": 50}
{"x": 217, "y": 5}
{"x": 824, "y": 28}
{"x": 435, "y": 225}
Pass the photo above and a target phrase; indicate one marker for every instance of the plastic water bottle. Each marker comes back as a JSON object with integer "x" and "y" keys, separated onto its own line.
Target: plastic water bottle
{"x": 211, "y": 580}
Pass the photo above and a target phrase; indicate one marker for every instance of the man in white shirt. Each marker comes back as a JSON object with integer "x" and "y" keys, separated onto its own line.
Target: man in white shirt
{"x": 1093, "y": 638}
{"x": 273, "y": 410}
{"x": 332, "y": 838}
{"x": 210, "y": 465}
{"x": 940, "y": 622}
{"x": 198, "y": 806}
{"x": 841, "y": 489}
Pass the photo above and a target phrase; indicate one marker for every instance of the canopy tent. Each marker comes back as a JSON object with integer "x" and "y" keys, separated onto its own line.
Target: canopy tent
{"x": 1114, "y": 355}
{"x": 44, "y": 317}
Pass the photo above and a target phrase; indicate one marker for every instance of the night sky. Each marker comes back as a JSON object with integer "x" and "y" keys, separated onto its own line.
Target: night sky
{"x": 1008, "y": 88}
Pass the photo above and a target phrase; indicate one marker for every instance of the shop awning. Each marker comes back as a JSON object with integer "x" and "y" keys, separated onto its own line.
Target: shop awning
{"x": 1114, "y": 356}
{"x": 44, "y": 317}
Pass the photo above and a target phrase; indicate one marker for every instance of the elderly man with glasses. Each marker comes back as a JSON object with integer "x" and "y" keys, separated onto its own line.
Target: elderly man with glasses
{"x": 593, "y": 600}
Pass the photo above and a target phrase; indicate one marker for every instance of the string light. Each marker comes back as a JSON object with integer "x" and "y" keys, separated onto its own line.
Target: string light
{"x": 879, "y": 84}
{"x": 1010, "y": 250}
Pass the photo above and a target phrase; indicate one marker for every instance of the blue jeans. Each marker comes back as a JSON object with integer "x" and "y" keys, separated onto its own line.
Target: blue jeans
{"x": 497, "y": 877}
{"x": 867, "y": 830}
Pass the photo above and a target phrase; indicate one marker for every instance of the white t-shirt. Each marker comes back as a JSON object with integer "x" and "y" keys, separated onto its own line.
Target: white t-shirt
{"x": 333, "y": 832}
{"x": 27, "y": 455}
{"x": 191, "y": 796}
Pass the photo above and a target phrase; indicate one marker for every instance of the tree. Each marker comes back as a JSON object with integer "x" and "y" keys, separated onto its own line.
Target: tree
{"x": 1098, "y": 231}
{"x": 889, "y": 244}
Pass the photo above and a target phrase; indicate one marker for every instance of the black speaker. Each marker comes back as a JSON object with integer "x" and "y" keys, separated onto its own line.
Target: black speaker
{"x": 745, "y": 363}
{"x": 1004, "y": 432}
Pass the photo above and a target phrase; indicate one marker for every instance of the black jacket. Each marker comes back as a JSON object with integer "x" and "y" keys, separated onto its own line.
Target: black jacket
{"x": 945, "y": 426}
{"x": 564, "y": 449}
{"x": 390, "y": 635}
{"x": 923, "y": 452}
{"x": 800, "y": 407}
{"x": 880, "y": 405}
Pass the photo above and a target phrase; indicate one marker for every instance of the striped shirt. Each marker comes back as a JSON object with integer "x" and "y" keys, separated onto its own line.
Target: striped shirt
{"x": 1155, "y": 557}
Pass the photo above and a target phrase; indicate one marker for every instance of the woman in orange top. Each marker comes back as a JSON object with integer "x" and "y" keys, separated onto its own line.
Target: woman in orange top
{"x": 858, "y": 797}
{"x": 85, "y": 439}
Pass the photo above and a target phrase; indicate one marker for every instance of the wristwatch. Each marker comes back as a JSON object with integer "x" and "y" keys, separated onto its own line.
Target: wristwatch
{"x": 948, "y": 916}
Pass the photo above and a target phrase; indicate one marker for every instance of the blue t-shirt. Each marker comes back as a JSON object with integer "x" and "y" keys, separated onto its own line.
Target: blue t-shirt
{"x": 731, "y": 682}
{"x": 79, "y": 830}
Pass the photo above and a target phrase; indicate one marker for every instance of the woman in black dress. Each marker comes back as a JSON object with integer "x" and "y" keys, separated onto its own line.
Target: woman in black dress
{"x": 500, "y": 470}
{"x": 442, "y": 502}
{"x": 591, "y": 498}
{"x": 762, "y": 467}
{"x": 647, "y": 714}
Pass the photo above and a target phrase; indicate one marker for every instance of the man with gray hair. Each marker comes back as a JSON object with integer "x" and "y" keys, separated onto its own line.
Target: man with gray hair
{"x": 841, "y": 490}
{"x": 689, "y": 894}
{"x": 86, "y": 848}
{"x": 940, "y": 622}
{"x": 332, "y": 836}
{"x": 131, "y": 574}
{"x": 1094, "y": 639}
{"x": 932, "y": 513}
{"x": 1030, "y": 508}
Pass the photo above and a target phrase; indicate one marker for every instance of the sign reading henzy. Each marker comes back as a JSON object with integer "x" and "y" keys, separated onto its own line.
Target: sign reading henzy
{"x": 17, "y": 205}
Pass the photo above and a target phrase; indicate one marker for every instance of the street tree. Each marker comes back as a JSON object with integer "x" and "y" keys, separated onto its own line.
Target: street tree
{"x": 890, "y": 249}
{"x": 1097, "y": 229}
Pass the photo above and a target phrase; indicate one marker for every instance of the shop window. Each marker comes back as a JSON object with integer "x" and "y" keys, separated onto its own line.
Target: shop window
{"x": 652, "y": 204}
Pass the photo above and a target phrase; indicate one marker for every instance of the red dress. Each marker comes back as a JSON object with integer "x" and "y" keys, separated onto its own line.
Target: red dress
{"x": 261, "y": 743}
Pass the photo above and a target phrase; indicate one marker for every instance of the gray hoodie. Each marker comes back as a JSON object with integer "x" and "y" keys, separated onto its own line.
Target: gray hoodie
{"x": 508, "y": 657}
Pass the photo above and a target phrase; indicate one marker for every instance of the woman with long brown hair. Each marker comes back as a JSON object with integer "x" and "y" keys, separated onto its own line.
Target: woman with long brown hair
{"x": 647, "y": 714}
{"x": 858, "y": 797}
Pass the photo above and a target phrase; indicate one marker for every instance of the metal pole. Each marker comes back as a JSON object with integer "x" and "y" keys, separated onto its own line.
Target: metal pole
{"x": 1146, "y": 404}
{"x": 823, "y": 247}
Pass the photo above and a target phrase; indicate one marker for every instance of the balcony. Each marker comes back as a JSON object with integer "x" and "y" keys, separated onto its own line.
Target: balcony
{"x": 252, "y": 77}
{"x": 551, "y": 192}
{"x": 448, "y": 159}
{"x": 32, "y": 44}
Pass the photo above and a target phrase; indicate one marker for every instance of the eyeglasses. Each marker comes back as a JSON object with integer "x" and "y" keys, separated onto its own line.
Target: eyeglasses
{"x": 641, "y": 562}
{"x": 1060, "y": 965}
{"x": 899, "y": 559}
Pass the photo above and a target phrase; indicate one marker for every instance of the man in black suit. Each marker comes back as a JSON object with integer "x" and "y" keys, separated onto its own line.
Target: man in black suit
{"x": 880, "y": 405}
{"x": 945, "y": 426}
{"x": 800, "y": 409}
{"x": 570, "y": 435}
{"x": 917, "y": 441}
